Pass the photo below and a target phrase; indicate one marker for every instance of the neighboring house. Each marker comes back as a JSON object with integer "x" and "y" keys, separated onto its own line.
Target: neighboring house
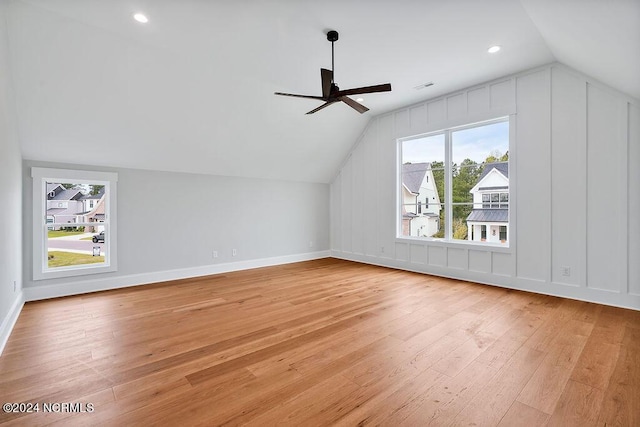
{"x": 63, "y": 205}
{"x": 420, "y": 201}
{"x": 489, "y": 219}
{"x": 93, "y": 210}
{"x": 72, "y": 206}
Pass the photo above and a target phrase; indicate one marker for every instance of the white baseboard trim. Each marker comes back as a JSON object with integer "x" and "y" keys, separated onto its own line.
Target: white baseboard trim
{"x": 10, "y": 321}
{"x": 580, "y": 293}
{"x": 96, "y": 284}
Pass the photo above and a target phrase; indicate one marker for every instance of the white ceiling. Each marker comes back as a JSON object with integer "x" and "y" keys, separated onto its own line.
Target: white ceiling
{"x": 192, "y": 90}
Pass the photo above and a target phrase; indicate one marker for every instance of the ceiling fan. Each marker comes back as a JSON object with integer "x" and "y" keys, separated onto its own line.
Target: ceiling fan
{"x": 331, "y": 93}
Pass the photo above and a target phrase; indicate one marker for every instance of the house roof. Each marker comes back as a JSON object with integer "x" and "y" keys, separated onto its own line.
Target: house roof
{"x": 413, "y": 174}
{"x": 502, "y": 167}
{"x": 489, "y": 215}
{"x": 68, "y": 195}
{"x": 51, "y": 187}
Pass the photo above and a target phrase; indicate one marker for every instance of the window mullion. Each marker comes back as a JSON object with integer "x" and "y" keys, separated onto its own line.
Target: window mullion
{"x": 448, "y": 186}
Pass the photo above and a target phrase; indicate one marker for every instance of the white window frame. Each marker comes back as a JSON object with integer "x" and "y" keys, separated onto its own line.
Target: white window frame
{"x": 448, "y": 184}
{"x": 40, "y": 177}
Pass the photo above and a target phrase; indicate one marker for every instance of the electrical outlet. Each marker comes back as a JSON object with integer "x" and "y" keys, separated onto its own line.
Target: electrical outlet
{"x": 215, "y": 254}
{"x": 565, "y": 271}
{"x": 382, "y": 249}
{"x": 310, "y": 243}
{"x": 15, "y": 286}
{"x": 234, "y": 252}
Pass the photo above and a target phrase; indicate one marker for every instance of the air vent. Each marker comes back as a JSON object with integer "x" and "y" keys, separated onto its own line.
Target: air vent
{"x": 422, "y": 86}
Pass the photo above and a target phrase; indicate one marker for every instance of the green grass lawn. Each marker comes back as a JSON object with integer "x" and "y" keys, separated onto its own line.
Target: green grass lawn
{"x": 60, "y": 233}
{"x": 64, "y": 259}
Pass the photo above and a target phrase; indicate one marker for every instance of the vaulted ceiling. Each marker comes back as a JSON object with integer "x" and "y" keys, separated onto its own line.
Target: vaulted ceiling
{"x": 192, "y": 90}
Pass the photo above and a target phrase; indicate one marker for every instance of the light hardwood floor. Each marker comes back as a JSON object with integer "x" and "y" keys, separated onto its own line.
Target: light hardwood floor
{"x": 325, "y": 342}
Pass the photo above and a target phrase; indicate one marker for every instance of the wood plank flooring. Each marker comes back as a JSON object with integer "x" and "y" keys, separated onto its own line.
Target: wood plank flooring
{"x": 324, "y": 342}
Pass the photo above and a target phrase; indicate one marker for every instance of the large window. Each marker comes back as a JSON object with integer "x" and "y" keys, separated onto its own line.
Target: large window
{"x": 74, "y": 227}
{"x": 462, "y": 175}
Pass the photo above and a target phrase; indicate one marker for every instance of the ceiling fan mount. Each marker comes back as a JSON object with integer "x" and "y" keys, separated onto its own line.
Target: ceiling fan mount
{"x": 331, "y": 93}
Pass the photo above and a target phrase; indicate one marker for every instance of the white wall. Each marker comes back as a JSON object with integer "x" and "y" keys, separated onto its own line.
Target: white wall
{"x": 575, "y": 189}
{"x": 169, "y": 224}
{"x": 11, "y": 196}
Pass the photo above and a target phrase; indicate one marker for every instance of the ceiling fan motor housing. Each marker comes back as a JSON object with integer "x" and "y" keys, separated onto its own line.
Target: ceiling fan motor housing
{"x": 332, "y": 36}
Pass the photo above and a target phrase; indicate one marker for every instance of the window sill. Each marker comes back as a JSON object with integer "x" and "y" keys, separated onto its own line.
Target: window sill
{"x": 72, "y": 271}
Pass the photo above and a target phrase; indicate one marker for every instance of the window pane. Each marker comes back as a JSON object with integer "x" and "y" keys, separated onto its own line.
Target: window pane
{"x": 68, "y": 205}
{"x": 423, "y": 186}
{"x": 459, "y": 226}
{"x": 73, "y": 202}
{"x": 69, "y": 246}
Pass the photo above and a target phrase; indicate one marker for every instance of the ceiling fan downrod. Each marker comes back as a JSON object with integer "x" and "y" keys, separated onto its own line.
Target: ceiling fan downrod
{"x": 332, "y": 36}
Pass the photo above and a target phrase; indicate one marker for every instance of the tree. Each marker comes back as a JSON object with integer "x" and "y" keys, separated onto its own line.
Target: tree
{"x": 95, "y": 189}
{"x": 464, "y": 178}
{"x": 460, "y": 228}
{"x": 438, "y": 177}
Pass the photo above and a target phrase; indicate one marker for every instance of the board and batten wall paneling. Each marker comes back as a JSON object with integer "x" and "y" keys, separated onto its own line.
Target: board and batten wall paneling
{"x": 575, "y": 151}
{"x": 569, "y": 173}
{"x": 604, "y": 190}
{"x": 633, "y": 193}
{"x": 533, "y": 185}
{"x": 336, "y": 213}
{"x": 357, "y": 200}
{"x": 370, "y": 191}
{"x": 346, "y": 201}
{"x": 386, "y": 173}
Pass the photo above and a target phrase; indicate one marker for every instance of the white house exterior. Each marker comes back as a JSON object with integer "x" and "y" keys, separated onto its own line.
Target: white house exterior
{"x": 420, "y": 201}
{"x": 489, "y": 219}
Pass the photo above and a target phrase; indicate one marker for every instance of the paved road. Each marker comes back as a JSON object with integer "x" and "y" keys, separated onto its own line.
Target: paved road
{"x": 78, "y": 245}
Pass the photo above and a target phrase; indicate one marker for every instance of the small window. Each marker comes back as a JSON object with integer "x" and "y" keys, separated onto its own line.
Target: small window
{"x": 483, "y": 232}
{"x": 93, "y": 233}
{"x": 486, "y": 201}
{"x": 503, "y": 233}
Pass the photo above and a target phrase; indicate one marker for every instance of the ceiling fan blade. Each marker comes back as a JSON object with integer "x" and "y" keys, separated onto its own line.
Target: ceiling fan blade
{"x": 325, "y": 105}
{"x": 327, "y": 77}
{"x": 367, "y": 89}
{"x": 299, "y": 96}
{"x": 353, "y": 104}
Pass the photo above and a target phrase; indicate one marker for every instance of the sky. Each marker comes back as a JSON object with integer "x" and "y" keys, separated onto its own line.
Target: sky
{"x": 473, "y": 143}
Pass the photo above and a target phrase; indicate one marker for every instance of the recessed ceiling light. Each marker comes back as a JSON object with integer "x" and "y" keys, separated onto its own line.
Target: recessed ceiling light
{"x": 141, "y": 18}
{"x": 360, "y": 99}
{"x": 493, "y": 49}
